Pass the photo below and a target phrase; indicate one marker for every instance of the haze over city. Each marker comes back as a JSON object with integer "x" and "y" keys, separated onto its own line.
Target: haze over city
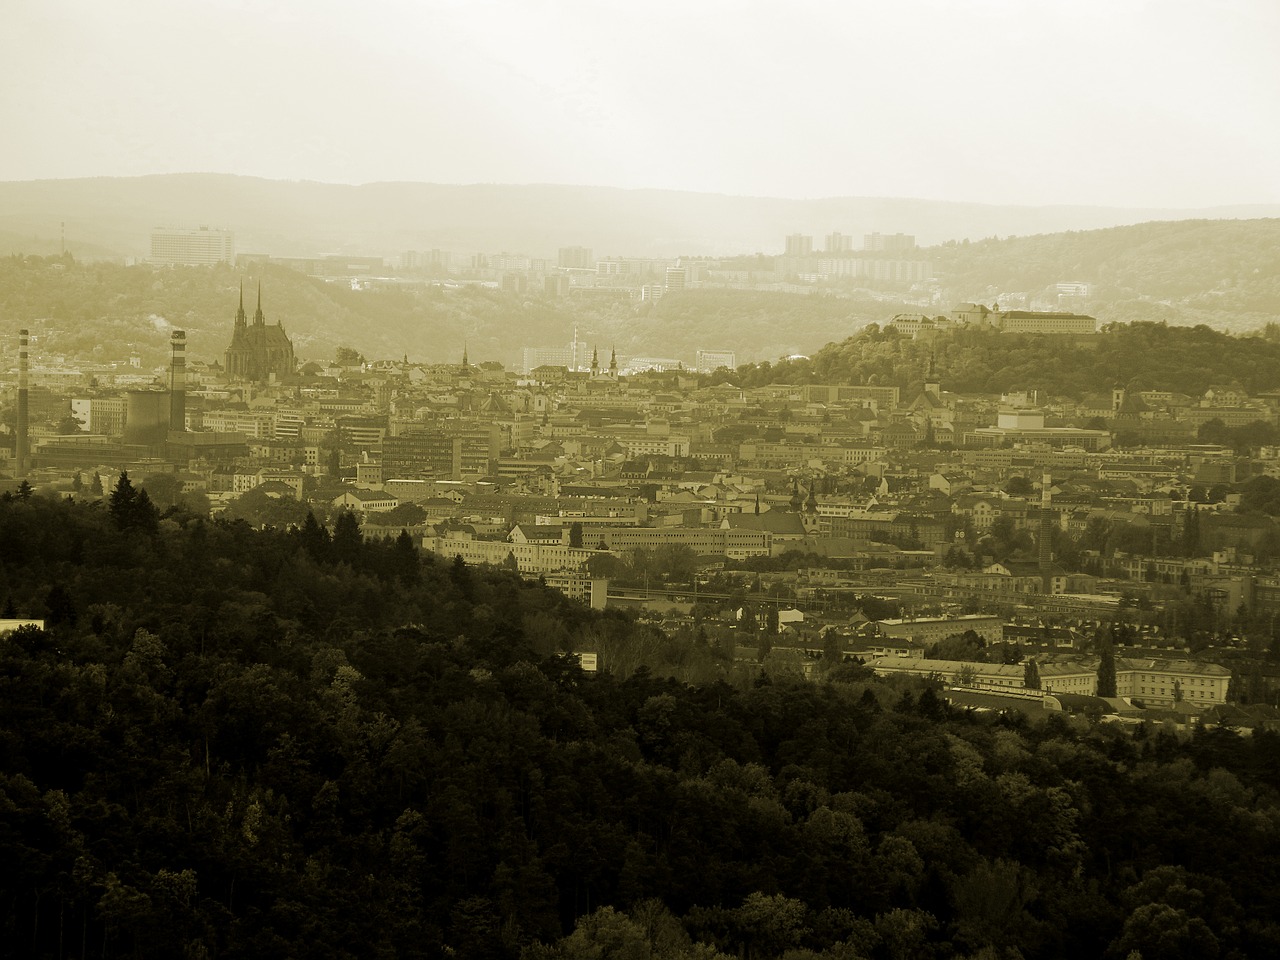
{"x": 674, "y": 481}
{"x": 1107, "y": 103}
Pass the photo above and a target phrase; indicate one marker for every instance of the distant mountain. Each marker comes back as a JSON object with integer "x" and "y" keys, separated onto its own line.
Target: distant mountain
{"x": 113, "y": 216}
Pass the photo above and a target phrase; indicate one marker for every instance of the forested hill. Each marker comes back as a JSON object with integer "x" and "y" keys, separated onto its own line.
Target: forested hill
{"x": 1182, "y": 359}
{"x": 232, "y": 744}
{"x": 1224, "y": 273}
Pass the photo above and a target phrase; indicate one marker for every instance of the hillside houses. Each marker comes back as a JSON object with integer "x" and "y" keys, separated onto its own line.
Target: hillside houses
{"x": 814, "y": 493}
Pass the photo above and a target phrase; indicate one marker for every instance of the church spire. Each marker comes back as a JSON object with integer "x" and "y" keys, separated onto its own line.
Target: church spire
{"x": 595, "y": 361}
{"x": 240, "y": 312}
{"x": 465, "y": 364}
{"x": 258, "y": 318}
{"x": 613, "y": 361}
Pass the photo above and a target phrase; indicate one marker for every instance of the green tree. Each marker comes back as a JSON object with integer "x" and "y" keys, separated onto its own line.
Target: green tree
{"x": 314, "y": 538}
{"x": 1031, "y": 675}
{"x": 348, "y": 357}
{"x": 1158, "y": 931}
{"x": 405, "y": 560}
{"x": 347, "y": 539}
{"x": 575, "y": 534}
{"x": 132, "y": 509}
{"x": 68, "y": 425}
{"x": 832, "y": 648}
{"x": 1106, "y": 663}
{"x": 164, "y": 489}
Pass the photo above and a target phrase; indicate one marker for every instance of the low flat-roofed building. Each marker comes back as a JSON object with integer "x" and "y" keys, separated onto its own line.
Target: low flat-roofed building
{"x": 1055, "y": 677}
{"x": 533, "y": 558}
{"x": 929, "y": 630}
{"x": 1156, "y": 681}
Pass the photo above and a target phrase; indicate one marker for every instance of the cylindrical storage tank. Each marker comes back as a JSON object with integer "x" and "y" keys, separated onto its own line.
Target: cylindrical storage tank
{"x": 146, "y": 419}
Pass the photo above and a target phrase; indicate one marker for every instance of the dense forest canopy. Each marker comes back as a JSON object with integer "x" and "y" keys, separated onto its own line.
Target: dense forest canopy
{"x": 239, "y": 743}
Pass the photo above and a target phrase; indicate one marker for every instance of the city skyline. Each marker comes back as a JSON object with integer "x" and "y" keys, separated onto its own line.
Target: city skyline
{"x": 989, "y": 102}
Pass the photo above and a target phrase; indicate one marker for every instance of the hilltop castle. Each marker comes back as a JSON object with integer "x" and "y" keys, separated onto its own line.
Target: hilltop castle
{"x": 258, "y": 352}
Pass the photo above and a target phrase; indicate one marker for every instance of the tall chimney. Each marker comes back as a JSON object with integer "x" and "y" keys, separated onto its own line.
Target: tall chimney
{"x": 20, "y": 452}
{"x": 178, "y": 382}
{"x": 1045, "y": 553}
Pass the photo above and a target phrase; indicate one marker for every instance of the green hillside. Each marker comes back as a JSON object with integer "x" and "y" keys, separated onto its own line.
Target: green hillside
{"x": 107, "y": 310}
{"x": 1182, "y": 359}
{"x": 1224, "y": 273}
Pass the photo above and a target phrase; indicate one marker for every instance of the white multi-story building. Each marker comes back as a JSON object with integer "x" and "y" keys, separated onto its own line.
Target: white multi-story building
{"x": 202, "y": 247}
{"x": 708, "y": 361}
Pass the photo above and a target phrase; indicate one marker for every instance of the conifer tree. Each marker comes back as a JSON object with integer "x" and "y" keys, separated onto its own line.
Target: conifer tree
{"x": 314, "y": 537}
{"x": 1031, "y": 675}
{"x": 1106, "y": 664}
{"x": 347, "y": 538}
{"x": 132, "y": 509}
{"x": 406, "y": 565}
{"x": 122, "y": 501}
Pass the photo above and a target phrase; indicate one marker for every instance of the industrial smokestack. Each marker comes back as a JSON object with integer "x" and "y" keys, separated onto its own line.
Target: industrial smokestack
{"x": 178, "y": 382}
{"x": 20, "y": 452}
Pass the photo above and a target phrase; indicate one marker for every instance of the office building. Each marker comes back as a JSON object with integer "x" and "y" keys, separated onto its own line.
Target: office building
{"x": 707, "y": 361}
{"x": 202, "y": 247}
{"x": 576, "y": 258}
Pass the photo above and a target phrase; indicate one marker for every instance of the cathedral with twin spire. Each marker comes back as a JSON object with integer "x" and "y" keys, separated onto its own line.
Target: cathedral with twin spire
{"x": 259, "y": 353}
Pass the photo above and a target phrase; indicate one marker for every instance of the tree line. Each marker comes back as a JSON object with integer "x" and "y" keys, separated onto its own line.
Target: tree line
{"x": 231, "y": 742}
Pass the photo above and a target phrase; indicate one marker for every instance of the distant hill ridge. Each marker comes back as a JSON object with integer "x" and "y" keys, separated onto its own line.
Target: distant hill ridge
{"x": 107, "y": 216}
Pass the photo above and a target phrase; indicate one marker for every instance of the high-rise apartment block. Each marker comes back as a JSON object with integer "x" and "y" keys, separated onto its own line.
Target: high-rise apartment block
{"x": 708, "y": 361}
{"x": 798, "y": 245}
{"x": 576, "y": 258}
{"x": 888, "y": 242}
{"x": 839, "y": 243}
{"x": 202, "y": 247}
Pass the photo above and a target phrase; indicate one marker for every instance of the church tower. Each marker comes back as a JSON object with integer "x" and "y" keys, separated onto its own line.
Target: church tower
{"x": 810, "y": 518}
{"x": 259, "y": 352}
{"x": 613, "y": 361}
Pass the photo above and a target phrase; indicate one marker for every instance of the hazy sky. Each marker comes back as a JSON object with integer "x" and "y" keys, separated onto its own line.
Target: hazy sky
{"x": 1117, "y": 102}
